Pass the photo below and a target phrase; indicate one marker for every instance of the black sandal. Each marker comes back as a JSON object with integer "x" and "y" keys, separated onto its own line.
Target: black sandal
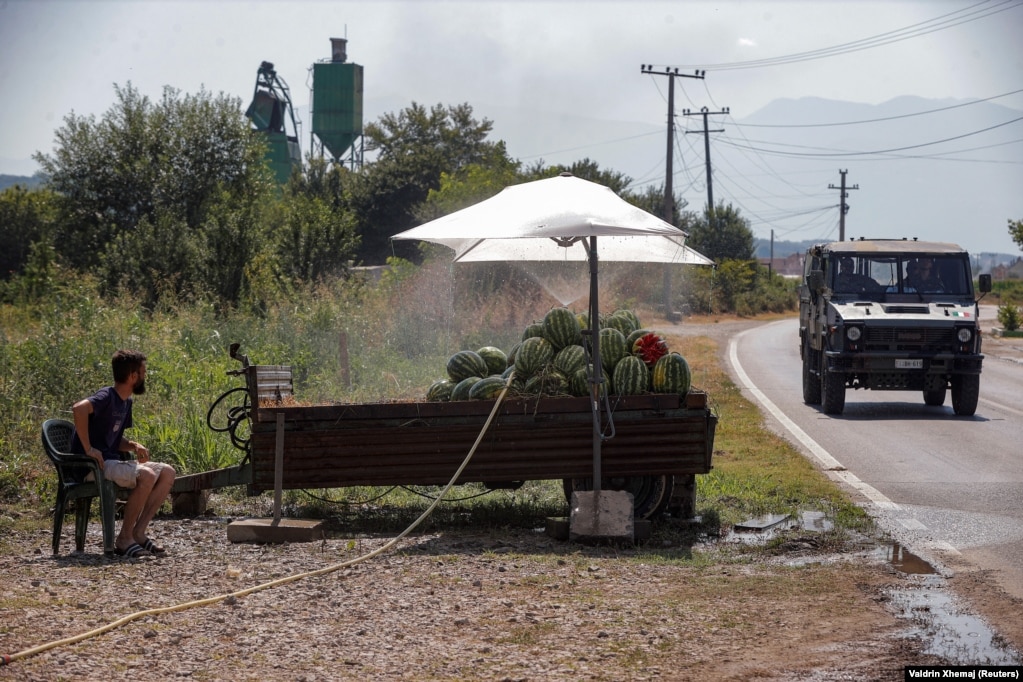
{"x": 153, "y": 548}
{"x": 134, "y": 551}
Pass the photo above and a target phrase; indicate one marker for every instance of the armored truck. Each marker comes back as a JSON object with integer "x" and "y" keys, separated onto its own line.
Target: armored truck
{"x": 892, "y": 315}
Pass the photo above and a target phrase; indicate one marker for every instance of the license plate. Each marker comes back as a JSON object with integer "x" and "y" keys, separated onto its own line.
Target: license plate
{"x": 909, "y": 363}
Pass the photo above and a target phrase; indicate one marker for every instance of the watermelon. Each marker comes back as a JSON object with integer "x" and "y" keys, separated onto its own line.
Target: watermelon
{"x": 612, "y": 348}
{"x": 439, "y": 391}
{"x": 512, "y": 352}
{"x": 534, "y": 353}
{"x": 465, "y": 364}
{"x": 650, "y": 348}
{"x": 561, "y": 328}
{"x": 533, "y": 330}
{"x": 487, "y": 388}
{"x": 629, "y": 314}
{"x": 631, "y": 376}
{"x": 581, "y": 383}
{"x": 547, "y": 383}
{"x": 495, "y": 358}
{"x": 672, "y": 375}
{"x": 570, "y": 359}
{"x": 619, "y": 322}
{"x": 630, "y": 340}
{"x": 462, "y": 388}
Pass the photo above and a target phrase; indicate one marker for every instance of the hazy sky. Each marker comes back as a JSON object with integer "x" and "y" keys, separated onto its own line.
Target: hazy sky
{"x": 579, "y": 58}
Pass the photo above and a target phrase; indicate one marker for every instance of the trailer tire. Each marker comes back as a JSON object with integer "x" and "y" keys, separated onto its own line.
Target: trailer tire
{"x": 935, "y": 398}
{"x": 650, "y": 494}
{"x": 965, "y": 394}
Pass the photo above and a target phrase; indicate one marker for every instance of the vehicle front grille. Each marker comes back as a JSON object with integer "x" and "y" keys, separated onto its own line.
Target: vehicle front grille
{"x": 917, "y": 339}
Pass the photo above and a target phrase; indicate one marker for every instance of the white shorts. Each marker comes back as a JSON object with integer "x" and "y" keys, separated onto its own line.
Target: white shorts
{"x": 125, "y": 473}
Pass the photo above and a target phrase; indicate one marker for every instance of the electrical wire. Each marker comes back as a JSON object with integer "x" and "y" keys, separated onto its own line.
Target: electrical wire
{"x": 942, "y": 22}
{"x": 7, "y": 659}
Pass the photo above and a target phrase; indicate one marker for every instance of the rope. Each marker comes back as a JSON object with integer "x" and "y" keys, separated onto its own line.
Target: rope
{"x": 6, "y": 659}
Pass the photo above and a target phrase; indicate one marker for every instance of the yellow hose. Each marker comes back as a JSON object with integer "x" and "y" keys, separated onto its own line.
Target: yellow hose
{"x": 8, "y": 659}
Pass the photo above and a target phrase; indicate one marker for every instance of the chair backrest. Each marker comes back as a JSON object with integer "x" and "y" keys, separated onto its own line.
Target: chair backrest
{"x": 57, "y": 436}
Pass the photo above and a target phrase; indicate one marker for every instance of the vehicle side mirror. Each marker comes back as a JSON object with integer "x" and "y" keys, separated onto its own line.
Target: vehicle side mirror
{"x": 985, "y": 283}
{"x": 815, "y": 280}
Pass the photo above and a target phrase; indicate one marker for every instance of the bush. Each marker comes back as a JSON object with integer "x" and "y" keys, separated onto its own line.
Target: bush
{"x": 1009, "y": 316}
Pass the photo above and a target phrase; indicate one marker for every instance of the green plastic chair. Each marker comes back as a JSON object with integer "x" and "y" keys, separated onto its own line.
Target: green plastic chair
{"x": 71, "y": 468}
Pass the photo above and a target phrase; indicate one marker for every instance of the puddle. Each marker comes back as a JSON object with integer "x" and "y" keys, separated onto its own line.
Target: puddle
{"x": 904, "y": 560}
{"x": 949, "y": 632}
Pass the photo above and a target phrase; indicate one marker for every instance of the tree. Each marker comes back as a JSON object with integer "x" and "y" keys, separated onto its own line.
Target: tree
{"x": 722, "y": 235}
{"x": 415, "y": 146}
{"x": 27, "y": 217}
{"x": 160, "y": 192}
{"x": 1016, "y": 232}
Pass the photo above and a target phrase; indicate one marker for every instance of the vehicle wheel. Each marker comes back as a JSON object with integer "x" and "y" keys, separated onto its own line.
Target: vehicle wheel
{"x": 650, "y": 494}
{"x": 811, "y": 382}
{"x": 935, "y": 397}
{"x": 965, "y": 393}
{"x": 832, "y": 389}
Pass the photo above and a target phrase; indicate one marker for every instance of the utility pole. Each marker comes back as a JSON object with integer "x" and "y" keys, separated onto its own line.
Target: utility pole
{"x": 844, "y": 206}
{"x": 669, "y": 198}
{"x": 706, "y": 153}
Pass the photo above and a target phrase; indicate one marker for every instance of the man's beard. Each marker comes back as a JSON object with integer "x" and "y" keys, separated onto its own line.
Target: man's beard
{"x": 139, "y": 388}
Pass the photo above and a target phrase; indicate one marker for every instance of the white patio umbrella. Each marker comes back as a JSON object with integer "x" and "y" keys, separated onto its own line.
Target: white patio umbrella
{"x": 561, "y": 219}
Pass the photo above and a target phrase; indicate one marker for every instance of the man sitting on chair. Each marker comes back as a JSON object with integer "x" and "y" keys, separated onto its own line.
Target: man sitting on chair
{"x": 100, "y": 422}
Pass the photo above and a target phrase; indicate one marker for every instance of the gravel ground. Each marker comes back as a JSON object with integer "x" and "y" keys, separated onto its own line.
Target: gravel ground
{"x": 452, "y": 605}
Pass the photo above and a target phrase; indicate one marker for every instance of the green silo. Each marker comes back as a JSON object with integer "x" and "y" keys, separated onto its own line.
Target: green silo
{"x": 337, "y": 102}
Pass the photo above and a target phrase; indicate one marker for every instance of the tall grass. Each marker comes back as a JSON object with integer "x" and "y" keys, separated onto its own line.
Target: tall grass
{"x": 396, "y": 334}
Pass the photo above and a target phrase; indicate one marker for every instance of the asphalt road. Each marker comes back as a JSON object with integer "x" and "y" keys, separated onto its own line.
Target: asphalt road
{"x": 943, "y": 485}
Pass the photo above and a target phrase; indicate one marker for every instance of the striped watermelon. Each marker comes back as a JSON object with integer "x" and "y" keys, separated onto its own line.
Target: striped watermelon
{"x": 533, "y": 330}
{"x": 612, "y": 348}
{"x": 439, "y": 391}
{"x": 672, "y": 375}
{"x": 561, "y": 328}
{"x": 580, "y": 385}
{"x": 462, "y": 388}
{"x": 547, "y": 383}
{"x": 620, "y": 322}
{"x": 486, "y": 389}
{"x": 495, "y": 359}
{"x": 570, "y": 359}
{"x": 631, "y": 339}
{"x": 633, "y": 317}
{"x": 534, "y": 353}
{"x": 465, "y": 364}
{"x": 631, "y": 376}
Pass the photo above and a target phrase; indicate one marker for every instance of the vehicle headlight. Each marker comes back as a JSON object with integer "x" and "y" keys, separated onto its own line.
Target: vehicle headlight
{"x": 853, "y": 333}
{"x": 965, "y": 334}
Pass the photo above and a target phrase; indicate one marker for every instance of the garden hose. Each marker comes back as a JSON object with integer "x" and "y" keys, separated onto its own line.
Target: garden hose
{"x": 6, "y": 659}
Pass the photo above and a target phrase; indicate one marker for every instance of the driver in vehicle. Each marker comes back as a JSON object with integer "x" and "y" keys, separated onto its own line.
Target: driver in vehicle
{"x": 849, "y": 281}
{"x": 922, "y": 278}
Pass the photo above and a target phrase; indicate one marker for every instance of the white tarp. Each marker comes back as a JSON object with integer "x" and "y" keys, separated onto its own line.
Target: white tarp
{"x": 536, "y": 221}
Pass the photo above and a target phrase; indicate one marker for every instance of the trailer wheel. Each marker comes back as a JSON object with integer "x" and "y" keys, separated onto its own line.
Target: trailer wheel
{"x": 935, "y": 397}
{"x": 965, "y": 393}
{"x": 650, "y": 494}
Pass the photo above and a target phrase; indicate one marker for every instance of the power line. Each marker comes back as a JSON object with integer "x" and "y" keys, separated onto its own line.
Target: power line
{"x": 939, "y": 23}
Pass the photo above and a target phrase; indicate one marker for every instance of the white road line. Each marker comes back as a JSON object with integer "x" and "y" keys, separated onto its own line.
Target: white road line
{"x": 831, "y": 465}
{"x": 999, "y": 406}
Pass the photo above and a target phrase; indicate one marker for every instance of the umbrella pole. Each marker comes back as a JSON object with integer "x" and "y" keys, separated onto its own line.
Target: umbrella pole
{"x": 597, "y": 375}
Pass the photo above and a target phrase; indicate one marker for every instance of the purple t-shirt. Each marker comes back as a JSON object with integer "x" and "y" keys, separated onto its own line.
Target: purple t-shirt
{"x": 110, "y": 417}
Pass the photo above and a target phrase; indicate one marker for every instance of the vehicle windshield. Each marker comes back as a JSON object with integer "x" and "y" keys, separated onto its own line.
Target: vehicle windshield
{"x": 876, "y": 276}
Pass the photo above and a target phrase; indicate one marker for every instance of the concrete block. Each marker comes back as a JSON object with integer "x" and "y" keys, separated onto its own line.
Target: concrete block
{"x": 603, "y": 515}
{"x": 265, "y": 530}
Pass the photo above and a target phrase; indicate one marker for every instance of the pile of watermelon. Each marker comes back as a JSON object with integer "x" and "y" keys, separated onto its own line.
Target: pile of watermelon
{"x": 553, "y": 358}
